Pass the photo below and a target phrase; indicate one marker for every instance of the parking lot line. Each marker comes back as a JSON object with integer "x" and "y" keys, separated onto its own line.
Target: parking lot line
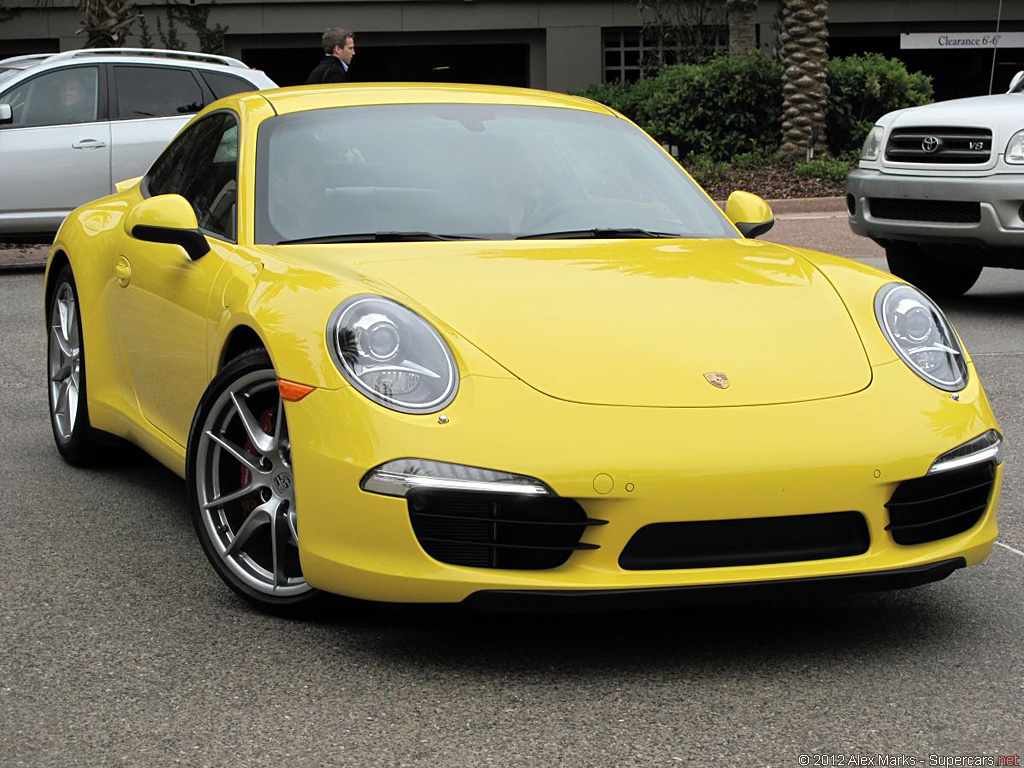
{"x": 1007, "y": 546}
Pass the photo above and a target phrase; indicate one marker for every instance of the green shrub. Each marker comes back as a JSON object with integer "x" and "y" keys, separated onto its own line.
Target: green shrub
{"x": 825, "y": 168}
{"x": 706, "y": 170}
{"x": 863, "y": 88}
{"x": 730, "y": 108}
{"x": 720, "y": 108}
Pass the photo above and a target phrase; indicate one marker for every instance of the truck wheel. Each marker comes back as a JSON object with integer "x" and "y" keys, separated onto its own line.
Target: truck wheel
{"x": 938, "y": 277}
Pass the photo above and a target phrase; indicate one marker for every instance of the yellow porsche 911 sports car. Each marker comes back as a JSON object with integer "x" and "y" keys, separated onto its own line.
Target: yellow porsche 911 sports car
{"x": 463, "y": 344}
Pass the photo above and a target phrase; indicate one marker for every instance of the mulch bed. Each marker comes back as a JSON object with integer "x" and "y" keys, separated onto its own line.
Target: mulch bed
{"x": 772, "y": 183}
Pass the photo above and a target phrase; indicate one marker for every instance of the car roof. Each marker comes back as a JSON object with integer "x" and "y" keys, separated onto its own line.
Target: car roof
{"x": 308, "y": 97}
{"x": 134, "y": 55}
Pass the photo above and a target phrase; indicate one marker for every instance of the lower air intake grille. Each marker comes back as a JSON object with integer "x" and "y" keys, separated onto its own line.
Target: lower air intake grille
{"x": 498, "y": 530}
{"x": 948, "y": 211}
{"x": 751, "y": 541}
{"x": 936, "y": 506}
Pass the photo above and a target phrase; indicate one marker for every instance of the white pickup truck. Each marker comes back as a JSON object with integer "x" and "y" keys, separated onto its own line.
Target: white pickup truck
{"x": 941, "y": 188}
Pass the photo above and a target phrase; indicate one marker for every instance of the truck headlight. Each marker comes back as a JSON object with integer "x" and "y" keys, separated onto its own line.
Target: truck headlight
{"x": 1015, "y": 149}
{"x": 872, "y": 144}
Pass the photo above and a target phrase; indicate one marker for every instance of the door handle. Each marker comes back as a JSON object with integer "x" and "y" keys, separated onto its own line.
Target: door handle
{"x": 123, "y": 271}
{"x": 88, "y": 144}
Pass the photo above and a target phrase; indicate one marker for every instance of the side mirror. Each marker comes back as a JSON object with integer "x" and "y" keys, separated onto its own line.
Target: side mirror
{"x": 6, "y": 114}
{"x": 1013, "y": 83}
{"x": 751, "y": 215}
{"x": 167, "y": 219}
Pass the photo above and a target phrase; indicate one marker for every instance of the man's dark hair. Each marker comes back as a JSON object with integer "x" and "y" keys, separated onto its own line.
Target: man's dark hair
{"x": 335, "y": 36}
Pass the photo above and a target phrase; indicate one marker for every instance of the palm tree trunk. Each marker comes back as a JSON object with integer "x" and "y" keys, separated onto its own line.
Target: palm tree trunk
{"x": 804, "y": 41}
{"x": 742, "y": 32}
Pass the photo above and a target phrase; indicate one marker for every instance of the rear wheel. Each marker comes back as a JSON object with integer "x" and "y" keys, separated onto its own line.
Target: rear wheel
{"x": 938, "y": 276}
{"x": 65, "y": 354}
{"x": 242, "y": 487}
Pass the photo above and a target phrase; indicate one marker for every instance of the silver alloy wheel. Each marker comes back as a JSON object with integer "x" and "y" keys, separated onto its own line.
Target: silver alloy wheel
{"x": 246, "y": 488}
{"x": 65, "y": 364}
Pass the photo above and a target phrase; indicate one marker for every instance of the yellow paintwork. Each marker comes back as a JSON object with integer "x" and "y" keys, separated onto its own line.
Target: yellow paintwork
{"x": 745, "y": 208}
{"x": 576, "y": 358}
{"x": 170, "y": 211}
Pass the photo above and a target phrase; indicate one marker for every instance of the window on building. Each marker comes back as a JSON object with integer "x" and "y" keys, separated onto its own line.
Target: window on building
{"x": 632, "y": 53}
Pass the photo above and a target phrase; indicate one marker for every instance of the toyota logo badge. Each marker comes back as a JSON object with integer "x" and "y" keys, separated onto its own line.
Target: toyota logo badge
{"x": 930, "y": 144}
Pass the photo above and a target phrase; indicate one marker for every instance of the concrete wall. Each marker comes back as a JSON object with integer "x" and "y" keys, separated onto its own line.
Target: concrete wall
{"x": 564, "y": 36}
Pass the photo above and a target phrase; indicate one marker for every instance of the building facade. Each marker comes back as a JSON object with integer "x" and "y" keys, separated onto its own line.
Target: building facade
{"x": 560, "y": 45}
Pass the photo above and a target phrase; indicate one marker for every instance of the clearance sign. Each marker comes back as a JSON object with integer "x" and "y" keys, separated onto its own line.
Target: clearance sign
{"x": 955, "y": 40}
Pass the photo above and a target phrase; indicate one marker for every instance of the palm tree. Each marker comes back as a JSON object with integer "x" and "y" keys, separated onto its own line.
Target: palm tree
{"x": 107, "y": 23}
{"x": 804, "y": 41}
{"x": 742, "y": 33}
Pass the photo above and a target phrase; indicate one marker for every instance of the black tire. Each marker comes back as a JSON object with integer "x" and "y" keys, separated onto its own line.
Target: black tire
{"x": 938, "y": 276}
{"x": 74, "y": 436}
{"x": 251, "y": 538}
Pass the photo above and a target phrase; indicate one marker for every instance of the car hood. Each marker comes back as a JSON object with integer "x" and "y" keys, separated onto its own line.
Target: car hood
{"x": 1003, "y": 111}
{"x": 638, "y": 322}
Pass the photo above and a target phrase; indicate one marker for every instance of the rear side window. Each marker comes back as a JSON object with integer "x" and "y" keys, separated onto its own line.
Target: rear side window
{"x": 227, "y": 85}
{"x": 201, "y": 165}
{"x": 156, "y": 92}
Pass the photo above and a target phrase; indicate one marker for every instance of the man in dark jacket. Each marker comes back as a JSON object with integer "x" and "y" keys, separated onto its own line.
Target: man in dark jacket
{"x": 339, "y": 48}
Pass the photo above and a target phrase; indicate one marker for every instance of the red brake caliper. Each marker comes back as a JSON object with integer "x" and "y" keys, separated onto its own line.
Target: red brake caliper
{"x": 266, "y": 422}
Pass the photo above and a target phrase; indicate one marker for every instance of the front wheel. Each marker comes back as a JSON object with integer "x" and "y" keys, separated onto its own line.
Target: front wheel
{"x": 65, "y": 354}
{"x": 242, "y": 487}
{"x": 937, "y": 276}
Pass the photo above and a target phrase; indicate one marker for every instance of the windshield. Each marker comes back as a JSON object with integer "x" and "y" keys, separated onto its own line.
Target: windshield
{"x": 458, "y": 170}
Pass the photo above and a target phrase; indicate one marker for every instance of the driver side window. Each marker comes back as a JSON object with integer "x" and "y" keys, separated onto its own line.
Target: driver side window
{"x": 64, "y": 97}
{"x": 202, "y": 166}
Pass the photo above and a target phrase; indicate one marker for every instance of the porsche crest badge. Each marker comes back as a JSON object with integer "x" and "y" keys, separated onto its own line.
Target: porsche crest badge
{"x": 716, "y": 379}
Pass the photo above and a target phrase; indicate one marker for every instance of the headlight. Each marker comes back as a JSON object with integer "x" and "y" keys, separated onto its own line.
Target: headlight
{"x": 1015, "y": 149}
{"x": 872, "y": 144}
{"x": 392, "y": 355}
{"x": 921, "y": 335}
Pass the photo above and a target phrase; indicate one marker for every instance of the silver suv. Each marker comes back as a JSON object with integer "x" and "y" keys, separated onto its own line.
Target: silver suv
{"x": 941, "y": 188}
{"x": 73, "y": 124}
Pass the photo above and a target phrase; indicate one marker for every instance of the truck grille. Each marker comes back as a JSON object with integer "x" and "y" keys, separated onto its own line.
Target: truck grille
{"x": 498, "y": 530}
{"x": 946, "y": 211}
{"x": 963, "y": 146}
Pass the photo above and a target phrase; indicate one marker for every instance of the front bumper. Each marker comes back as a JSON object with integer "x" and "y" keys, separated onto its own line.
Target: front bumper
{"x": 578, "y": 601}
{"x": 664, "y": 465}
{"x": 1000, "y": 198}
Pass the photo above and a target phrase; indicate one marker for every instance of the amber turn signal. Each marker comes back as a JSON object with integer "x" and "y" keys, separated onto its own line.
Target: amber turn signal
{"x": 292, "y": 391}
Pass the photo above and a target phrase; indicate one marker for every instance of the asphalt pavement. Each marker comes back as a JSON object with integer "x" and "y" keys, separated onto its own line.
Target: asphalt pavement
{"x": 120, "y": 646}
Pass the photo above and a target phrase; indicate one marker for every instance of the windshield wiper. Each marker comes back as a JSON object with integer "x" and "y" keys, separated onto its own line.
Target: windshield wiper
{"x": 579, "y": 234}
{"x": 376, "y": 237}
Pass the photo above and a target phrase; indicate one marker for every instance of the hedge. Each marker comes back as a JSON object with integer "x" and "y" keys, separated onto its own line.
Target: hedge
{"x": 729, "y": 106}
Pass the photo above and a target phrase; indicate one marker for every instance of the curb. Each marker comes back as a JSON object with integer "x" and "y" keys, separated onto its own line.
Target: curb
{"x": 21, "y": 260}
{"x": 809, "y": 205}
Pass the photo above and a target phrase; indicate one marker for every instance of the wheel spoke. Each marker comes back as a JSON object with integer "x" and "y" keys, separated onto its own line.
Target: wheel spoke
{"x": 279, "y": 543}
{"x": 224, "y": 498}
{"x": 62, "y": 372}
{"x": 257, "y": 518}
{"x": 65, "y": 346}
{"x": 242, "y": 456}
{"x": 61, "y": 403}
{"x": 264, "y": 443}
{"x": 63, "y": 308}
{"x": 72, "y": 403}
